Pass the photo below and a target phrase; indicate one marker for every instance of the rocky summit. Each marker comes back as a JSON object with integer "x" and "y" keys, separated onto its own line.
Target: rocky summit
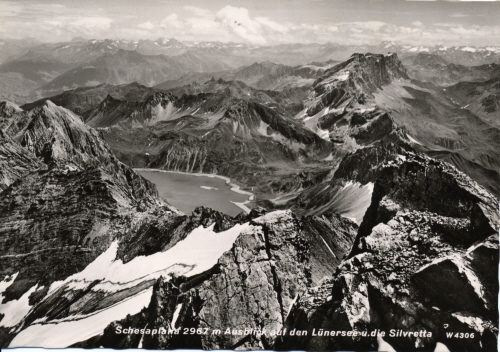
{"x": 373, "y": 216}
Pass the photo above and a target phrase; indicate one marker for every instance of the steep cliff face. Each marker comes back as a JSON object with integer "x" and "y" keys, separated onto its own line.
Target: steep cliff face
{"x": 254, "y": 285}
{"x": 111, "y": 111}
{"x": 354, "y": 81}
{"x": 212, "y": 133}
{"x": 64, "y": 199}
{"x": 61, "y": 140}
{"x": 341, "y": 104}
{"x": 57, "y": 135}
{"x": 429, "y": 233}
{"x": 16, "y": 161}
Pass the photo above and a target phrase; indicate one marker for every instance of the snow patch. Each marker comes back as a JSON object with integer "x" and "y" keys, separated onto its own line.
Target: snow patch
{"x": 67, "y": 333}
{"x": 462, "y": 269}
{"x": 413, "y": 140}
{"x": 291, "y": 305}
{"x": 262, "y": 129}
{"x": 209, "y": 188}
{"x": 176, "y": 315}
{"x": 16, "y": 310}
{"x": 328, "y": 247}
{"x": 7, "y": 282}
{"x": 198, "y": 252}
{"x": 324, "y": 134}
{"x": 344, "y": 76}
{"x": 351, "y": 200}
{"x": 473, "y": 322}
{"x": 329, "y": 157}
{"x": 469, "y": 49}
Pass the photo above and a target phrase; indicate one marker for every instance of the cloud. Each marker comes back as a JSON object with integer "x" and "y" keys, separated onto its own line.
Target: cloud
{"x": 237, "y": 21}
{"x": 172, "y": 21}
{"x": 55, "y": 22}
{"x": 272, "y": 25}
{"x": 198, "y": 11}
{"x": 146, "y": 25}
{"x": 92, "y": 24}
{"x": 50, "y": 22}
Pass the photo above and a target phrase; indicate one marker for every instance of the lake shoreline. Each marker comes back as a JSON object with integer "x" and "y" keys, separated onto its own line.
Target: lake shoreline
{"x": 234, "y": 187}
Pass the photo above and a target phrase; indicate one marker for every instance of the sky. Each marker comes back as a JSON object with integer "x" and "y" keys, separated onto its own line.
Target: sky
{"x": 256, "y": 22}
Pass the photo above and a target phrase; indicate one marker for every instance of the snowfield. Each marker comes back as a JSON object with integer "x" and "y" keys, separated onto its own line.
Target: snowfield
{"x": 198, "y": 252}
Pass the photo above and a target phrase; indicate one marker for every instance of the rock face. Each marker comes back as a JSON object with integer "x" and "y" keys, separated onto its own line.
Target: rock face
{"x": 16, "y": 161}
{"x": 355, "y": 79}
{"x": 64, "y": 199}
{"x": 209, "y": 133}
{"x": 414, "y": 252}
{"x": 253, "y": 285}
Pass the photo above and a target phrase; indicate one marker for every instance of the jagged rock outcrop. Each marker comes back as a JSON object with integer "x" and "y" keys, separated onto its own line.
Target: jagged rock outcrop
{"x": 64, "y": 199}
{"x": 354, "y": 81}
{"x": 253, "y": 285}
{"x": 155, "y": 107}
{"x": 342, "y": 106}
{"x": 15, "y": 162}
{"x": 415, "y": 265}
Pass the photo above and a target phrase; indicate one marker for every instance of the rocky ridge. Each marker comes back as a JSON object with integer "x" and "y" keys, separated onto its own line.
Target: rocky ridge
{"x": 64, "y": 198}
{"x": 253, "y": 284}
{"x": 388, "y": 275}
{"x": 413, "y": 253}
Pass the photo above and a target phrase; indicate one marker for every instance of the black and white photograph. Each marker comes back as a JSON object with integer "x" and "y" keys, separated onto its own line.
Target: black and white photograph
{"x": 243, "y": 175}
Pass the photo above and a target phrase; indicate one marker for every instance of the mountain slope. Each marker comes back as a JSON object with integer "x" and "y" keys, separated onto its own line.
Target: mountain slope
{"x": 80, "y": 100}
{"x": 35, "y": 68}
{"x": 429, "y": 231}
{"x": 481, "y": 98}
{"x": 62, "y": 192}
{"x": 351, "y": 107}
{"x": 259, "y": 75}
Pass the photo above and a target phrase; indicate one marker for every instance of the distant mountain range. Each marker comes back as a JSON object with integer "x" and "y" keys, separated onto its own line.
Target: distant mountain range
{"x": 30, "y": 70}
{"x": 80, "y": 50}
